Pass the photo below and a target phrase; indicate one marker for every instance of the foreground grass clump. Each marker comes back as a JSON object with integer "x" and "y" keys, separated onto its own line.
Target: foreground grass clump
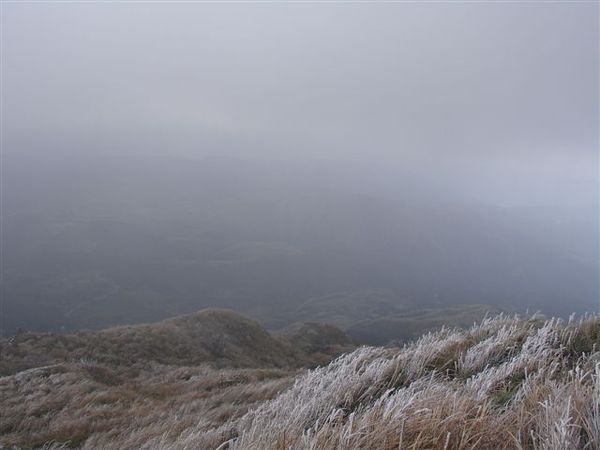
{"x": 505, "y": 383}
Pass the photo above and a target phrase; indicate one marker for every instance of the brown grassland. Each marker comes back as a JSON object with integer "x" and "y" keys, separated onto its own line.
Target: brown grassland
{"x": 505, "y": 383}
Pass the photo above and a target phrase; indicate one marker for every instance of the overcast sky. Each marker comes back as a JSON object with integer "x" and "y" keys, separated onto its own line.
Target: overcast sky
{"x": 465, "y": 88}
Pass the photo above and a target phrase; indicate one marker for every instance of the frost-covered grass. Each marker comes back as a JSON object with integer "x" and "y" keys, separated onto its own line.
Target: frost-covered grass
{"x": 93, "y": 407}
{"x": 506, "y": 383}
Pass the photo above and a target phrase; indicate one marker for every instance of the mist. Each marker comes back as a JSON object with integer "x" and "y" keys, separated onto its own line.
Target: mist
{"x": 340, "y": 162}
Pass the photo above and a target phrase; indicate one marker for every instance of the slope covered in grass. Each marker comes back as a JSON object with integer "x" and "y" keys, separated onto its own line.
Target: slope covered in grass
{"x": 95, "y": 406}
{"x": 505, "y": 383}
{"x": 219, "y": 337}
{"x": 124, "y": 386}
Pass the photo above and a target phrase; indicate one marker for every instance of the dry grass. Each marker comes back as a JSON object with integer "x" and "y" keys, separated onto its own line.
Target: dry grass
{"x": 219, "y": 337}
{"x": 503, "y": 384}
{"x": 513, "y": 385}
{"x": 96, "y": 407}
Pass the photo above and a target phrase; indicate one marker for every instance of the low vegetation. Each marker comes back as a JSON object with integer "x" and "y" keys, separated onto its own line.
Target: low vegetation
{"x": 505, "y": 383}
{"x": 220, "y": 338}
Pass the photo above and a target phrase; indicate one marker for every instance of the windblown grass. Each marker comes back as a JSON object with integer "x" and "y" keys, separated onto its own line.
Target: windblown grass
{"x": 505, "y": 383}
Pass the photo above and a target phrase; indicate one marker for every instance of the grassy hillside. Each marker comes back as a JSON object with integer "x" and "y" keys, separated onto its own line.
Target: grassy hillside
{"x": 219, "y": 337}
{"x": 89, "y": 388}
{"x": 503, "y": 384}
{"x": 93, "y": 406}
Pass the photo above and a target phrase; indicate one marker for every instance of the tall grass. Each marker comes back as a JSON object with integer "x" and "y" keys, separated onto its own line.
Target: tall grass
{"x": 506, "y": 383}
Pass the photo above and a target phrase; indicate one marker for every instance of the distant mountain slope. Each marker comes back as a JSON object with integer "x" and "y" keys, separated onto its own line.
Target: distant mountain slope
{"x": 320, "y": 340}
{"x": 346, "y": 308}
{"x": 87, "y": 246}
{"x": 219, "y": 337}
{"x": 405, "y": 326}
{"x": 378, "y": 316}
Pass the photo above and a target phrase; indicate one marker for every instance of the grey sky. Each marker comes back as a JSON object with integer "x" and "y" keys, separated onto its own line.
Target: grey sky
{"x": 472, "y": 88}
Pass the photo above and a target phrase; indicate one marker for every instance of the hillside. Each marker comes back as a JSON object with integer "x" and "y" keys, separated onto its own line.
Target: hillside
{"x": 86, "y": 389}
{"x": 503, "y": 384}
{"x": 218, "y": 337}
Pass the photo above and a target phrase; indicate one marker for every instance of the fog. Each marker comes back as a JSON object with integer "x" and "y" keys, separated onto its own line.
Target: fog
{"x": 161, "y": 158}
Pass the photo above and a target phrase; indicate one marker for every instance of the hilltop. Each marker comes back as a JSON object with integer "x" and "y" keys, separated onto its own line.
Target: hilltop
{"x": 217, "y": 337}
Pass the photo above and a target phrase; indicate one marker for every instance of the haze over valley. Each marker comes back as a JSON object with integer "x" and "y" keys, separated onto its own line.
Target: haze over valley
{"x": 112, "y": 240}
